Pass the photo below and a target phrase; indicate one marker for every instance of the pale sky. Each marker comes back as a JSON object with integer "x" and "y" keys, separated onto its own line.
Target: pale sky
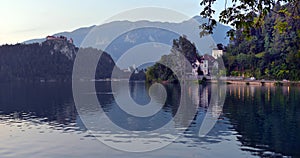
{"x": 28, "y": 19}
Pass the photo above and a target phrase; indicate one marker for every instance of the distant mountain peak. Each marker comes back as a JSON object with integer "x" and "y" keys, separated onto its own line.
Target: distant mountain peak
{"x": 160, "y": 32}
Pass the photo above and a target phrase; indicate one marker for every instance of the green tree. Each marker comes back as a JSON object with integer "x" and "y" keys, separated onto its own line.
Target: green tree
{"x": 246, "y": 14}
{"x": 160, "y": 72}
{"x": 270, "y": 51}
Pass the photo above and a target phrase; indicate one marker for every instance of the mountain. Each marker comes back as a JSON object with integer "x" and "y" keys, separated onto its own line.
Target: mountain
{"x": 120, "y": 36}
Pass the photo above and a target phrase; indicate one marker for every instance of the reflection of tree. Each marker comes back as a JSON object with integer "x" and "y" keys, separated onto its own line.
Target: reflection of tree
{"x": 265, "y": 117}
{"x": 104, "y": 94}
{"x": 51, "y": 101}
{"x": 173, "y": 98}
{"x": 189, "y": 102}
{"x": 139, "y": 92}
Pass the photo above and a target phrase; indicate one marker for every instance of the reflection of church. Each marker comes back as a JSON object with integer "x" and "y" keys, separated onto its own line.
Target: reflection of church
{"x": 204, "y": 96}
{"x": 207, "y": 101}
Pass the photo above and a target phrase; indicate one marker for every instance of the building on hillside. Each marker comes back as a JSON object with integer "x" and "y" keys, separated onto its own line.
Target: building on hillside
{"x": 216, "y": 53}
{"x": 71, "y": 41}
{"x": 201, "y": 65}
{"x": 50, "y": 38}
{"x": 59, "y": 38}
{"x": 131, "y": 69}
{"x": 206, "y": 63}
{"x": 195, "y": 67}
{"x": 204, "y": 67}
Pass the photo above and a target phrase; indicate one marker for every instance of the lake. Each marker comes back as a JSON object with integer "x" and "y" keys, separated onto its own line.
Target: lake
{"x": 42, "y": 120}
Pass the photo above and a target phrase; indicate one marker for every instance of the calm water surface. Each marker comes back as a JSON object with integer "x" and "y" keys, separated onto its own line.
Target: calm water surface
{"x": 40, "y": 120}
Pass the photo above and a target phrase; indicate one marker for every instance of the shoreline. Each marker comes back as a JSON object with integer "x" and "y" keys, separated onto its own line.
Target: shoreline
{"x": 233, "y": 82}
{"x": 260, "y": 82}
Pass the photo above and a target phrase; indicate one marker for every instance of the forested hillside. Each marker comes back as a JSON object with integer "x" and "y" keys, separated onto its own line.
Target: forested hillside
{"x": 51, "y": 60}
{"x": 269, "y": 52}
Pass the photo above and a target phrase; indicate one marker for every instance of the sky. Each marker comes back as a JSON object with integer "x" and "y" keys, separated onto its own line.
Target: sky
{"x": 22, "y": 20}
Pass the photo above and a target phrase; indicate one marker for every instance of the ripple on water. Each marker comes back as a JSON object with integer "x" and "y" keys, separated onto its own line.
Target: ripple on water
{"x": 28, "y": 121}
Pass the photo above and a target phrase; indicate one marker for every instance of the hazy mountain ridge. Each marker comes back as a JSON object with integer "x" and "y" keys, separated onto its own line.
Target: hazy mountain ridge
{"x": 97, "y": 36}
{"x": 77, "y": 36}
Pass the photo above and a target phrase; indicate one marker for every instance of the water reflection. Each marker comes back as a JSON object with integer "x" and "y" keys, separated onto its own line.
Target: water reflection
{"x": 45, "y": 102}
{"x": 266, "y": 119}
{"x": 163, "y": 127}
{"x": 139, "y": 93}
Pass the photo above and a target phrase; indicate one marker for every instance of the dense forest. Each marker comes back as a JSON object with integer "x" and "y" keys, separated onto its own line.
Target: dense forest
{"x": 271, "y": 51}
{"x": 51, "y": 60}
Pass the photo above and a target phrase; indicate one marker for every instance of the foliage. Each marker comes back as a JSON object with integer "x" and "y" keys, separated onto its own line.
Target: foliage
{"x": 50, "y": 60}
{"x": 270, "y": 52}
{"x": 203, "y": 81}
{"x": 139, "y": 76}
{"x": 162, "y": 72}
{"x": 246, "y": 14}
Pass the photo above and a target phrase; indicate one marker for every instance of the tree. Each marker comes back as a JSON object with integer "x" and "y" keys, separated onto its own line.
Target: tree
{"x": 270, "y": 51}
{"x": 160, "y": 72}
{"x": 246, "y": 14}
{"x": 50, "y": 60}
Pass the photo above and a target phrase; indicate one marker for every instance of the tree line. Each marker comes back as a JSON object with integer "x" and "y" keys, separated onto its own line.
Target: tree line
{"x": 50, "y": 60}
